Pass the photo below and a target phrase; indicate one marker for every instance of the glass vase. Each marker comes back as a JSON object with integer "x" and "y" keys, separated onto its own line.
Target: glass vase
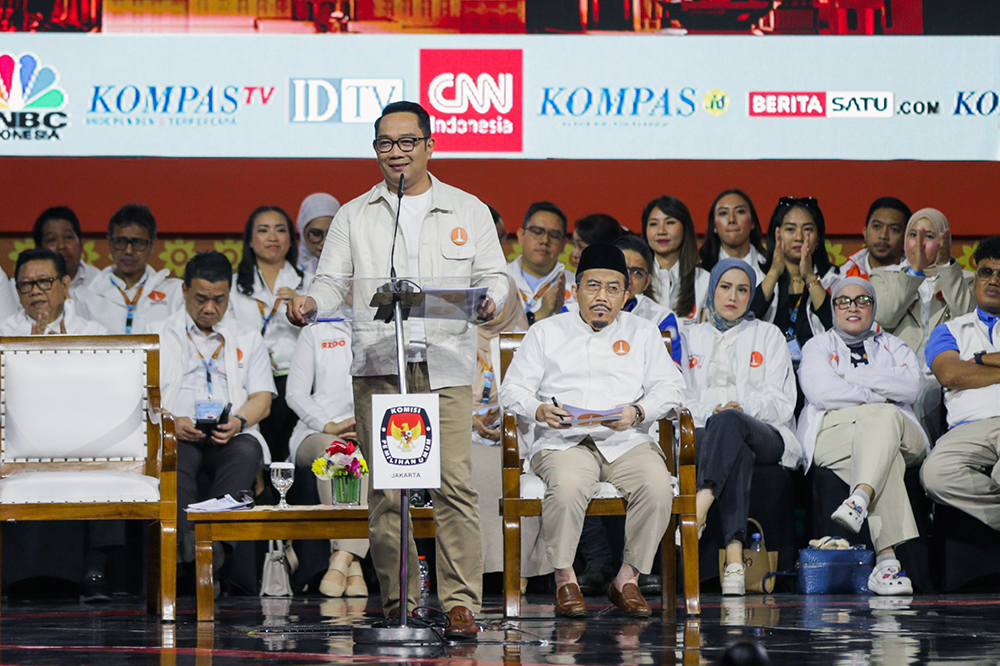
{"x": 347, "y": 490}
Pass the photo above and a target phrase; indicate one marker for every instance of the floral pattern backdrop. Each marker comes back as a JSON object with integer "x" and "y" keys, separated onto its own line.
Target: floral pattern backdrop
{"x": 174, "y": 253}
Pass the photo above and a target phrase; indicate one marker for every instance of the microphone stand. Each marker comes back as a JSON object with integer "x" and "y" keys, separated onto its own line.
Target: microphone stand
{"x": 394, "y": 300}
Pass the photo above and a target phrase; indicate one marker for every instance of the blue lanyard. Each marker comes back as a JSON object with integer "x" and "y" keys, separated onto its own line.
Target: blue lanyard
{"x": 210, "y": 363}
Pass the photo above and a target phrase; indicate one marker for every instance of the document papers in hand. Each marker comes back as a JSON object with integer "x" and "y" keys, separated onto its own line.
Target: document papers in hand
{"x": 590, "y": 417}
{"x": 226, "y": 503}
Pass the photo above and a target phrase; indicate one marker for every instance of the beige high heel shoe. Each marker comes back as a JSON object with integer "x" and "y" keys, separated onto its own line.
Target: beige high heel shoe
{"x": 356, "y": 585}
{"x": 328, "y": 586}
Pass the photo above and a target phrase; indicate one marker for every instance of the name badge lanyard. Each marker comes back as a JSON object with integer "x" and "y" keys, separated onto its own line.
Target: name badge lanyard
{"x": 208, "y": 364}
{"x": 267, "y": 320}
{"x": 531, "y": 303}
{"x": 793, "y": 344}
{"x": 130, "y": 305}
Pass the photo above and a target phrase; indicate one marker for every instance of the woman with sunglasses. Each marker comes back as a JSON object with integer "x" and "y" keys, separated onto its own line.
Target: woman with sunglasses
{"x": 798, "y": 272}
{"x": 266, "y": 281}
{"x": 858, "y": 421}
{"x": 315, "y": 215}
{"x": 678, "y": 283}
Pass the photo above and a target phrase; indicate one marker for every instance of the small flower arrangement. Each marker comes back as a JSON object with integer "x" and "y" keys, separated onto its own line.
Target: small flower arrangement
{"x": 341, "y": 459}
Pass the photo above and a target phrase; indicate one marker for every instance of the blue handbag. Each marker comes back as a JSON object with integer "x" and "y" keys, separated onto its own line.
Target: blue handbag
{"x": 834, "y": 571}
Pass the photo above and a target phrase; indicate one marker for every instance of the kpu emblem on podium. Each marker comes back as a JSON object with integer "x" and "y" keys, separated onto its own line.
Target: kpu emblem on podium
{"x": 407, "y": 447}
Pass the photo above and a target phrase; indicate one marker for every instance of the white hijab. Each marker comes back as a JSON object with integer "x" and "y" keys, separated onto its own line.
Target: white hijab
{"x": 315, "y": 205}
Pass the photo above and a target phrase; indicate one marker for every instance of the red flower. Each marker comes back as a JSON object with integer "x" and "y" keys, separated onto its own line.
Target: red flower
{"x": 347, "y": 448}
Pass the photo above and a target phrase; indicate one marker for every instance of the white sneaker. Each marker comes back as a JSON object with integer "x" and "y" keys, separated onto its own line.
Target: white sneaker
{"x": 889, "y": 579}
{"x": 733, "y": 580}
{"x": 850, "y": 515}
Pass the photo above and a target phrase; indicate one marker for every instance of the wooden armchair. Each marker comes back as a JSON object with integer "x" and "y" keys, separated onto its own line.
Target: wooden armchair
{"x": 83, "y": 437}
{"x": 522, "y": 500}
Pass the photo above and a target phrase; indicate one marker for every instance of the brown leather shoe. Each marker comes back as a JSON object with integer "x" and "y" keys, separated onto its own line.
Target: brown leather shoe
{"x": 630, "y": 600}
{"x": 569, "y": 601}
{"x": 461, "y": 623}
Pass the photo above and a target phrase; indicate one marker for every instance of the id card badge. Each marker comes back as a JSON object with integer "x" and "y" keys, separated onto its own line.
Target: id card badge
{"x": 207, "y": 410}
{"x": 794, "y": 348}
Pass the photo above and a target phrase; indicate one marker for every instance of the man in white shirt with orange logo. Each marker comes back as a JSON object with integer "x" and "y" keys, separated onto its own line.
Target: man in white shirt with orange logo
{"x": 541, "y": 278}
{"x": 130, "y": 295}
{"x": 597, "y": 359}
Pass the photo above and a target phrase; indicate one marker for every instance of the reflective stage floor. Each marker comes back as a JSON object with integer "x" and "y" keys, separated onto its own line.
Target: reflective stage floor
{"x": 848, "y": 630}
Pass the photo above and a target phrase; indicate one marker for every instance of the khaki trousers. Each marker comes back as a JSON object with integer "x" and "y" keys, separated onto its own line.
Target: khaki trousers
{"x": 571, "y": 478}
{"x": 313, "y": 447}
{"x": 456, "y": 503}
{"x": 963, "y": 471}
{"x": 874, "y": 444}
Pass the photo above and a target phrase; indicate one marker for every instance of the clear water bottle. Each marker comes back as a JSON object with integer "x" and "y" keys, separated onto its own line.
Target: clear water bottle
{"x": 756, "y": 542}
{"x": 425, "y": 576}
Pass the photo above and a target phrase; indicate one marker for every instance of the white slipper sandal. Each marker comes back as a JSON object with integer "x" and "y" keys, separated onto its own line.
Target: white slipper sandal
{"x": 850, "y": 515}
{"x": 889, "y": 579}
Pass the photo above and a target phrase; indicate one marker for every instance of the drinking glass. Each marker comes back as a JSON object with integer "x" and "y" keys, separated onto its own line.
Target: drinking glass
{"x": 282, "y": 476}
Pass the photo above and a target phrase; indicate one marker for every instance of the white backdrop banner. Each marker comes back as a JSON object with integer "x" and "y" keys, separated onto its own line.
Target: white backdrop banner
{"x": 534, "y": 97}
{"x": 406, "y": 441}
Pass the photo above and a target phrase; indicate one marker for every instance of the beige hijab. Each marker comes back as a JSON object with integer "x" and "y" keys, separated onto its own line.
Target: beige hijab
{"x": 938, "y": 221}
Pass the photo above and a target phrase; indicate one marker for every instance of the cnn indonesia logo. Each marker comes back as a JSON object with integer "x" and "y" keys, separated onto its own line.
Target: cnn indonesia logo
{"x": 474, "y": 98}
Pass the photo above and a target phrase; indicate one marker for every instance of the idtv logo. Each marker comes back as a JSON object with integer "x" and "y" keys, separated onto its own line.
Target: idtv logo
{"x": 474, "y": 98}
{"x": 341, "y": 100}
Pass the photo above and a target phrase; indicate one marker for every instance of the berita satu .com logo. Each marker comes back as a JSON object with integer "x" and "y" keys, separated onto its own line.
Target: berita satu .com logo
{"x": 405, "y": 436}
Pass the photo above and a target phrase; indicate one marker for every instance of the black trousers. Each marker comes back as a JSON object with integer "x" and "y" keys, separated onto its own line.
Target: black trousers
{"x": 729, "y": 446}
{"x": 278, "y": 426}
{"x": 232, "y": 466}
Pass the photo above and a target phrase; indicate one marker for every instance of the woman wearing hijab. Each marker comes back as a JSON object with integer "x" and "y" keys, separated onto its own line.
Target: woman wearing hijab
{"x": 929, "y": 288}
{"x": 741, "y": 393}
{"x": 859, "y": 423}
{"x": 315, "y": 214}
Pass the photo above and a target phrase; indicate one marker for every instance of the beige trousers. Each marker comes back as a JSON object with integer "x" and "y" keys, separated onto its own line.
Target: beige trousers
{"x": 963, "y": 470}
{"x": 874, "y": 444}
{"x": 313, "y": 447}
{"x": 571, "y": 478}
{"x": 456, "y": 503}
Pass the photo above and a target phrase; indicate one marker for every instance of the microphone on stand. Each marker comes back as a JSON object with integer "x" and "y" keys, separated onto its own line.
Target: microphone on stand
{"x": 395, "y": 229}
{"x": 385, "y": 311}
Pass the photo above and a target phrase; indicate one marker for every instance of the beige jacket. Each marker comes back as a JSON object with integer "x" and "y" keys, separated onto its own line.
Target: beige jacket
{"x": 458, "y": 242}
{"x": 898, "y": 310}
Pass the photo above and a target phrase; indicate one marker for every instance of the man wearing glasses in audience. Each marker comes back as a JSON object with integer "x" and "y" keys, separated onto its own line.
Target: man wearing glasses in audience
{"x": 43, "y": 284}
{"x": 540, "y": 277}
{"x": 129, "y": 295}
{"x": 963, "y": 468}
{"x": 443, "y": 232}
{"x": 621, "y": 364}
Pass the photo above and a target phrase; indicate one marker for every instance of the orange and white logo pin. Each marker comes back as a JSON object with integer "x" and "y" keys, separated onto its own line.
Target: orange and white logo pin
{"x": 459, "y": 236}
{"x": 756, "y": 359}
{"x": 156, "y": 296}
{"x": 620, "y": 347}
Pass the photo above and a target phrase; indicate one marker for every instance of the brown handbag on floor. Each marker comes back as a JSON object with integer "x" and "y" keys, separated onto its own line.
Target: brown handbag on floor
{"x": 758, "y": 563}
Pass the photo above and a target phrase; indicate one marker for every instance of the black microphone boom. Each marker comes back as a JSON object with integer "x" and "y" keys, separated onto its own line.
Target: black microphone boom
{"x": 395, "y": 229}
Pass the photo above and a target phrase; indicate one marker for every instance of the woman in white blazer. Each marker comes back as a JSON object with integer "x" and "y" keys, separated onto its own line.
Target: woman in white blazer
{"x": 741, "y": 393}
{"x": 859, "y": 422}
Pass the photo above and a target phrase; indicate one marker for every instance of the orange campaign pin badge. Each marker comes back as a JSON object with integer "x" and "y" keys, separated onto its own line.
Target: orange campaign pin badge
{"x": 621, "y": 347}
{"x": 459, "y": 236}
{"x": 756, "y": 359}
{"x": 156, "y": 296}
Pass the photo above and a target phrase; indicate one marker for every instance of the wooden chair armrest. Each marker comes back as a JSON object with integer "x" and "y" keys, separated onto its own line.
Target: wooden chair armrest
{"x": 511, "y": 461}
{"x": 687, "y": 450}
{"x": 168, "y": 454}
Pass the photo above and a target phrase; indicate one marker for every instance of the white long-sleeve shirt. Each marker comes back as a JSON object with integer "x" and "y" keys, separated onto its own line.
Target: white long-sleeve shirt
{"x": 829, "y": 381}
{"x": 319, "y": 386}
{"x": 625, "y": 363}
{"x": 667, "y": 284}
{"x": 156, "y": 297}
{"x": 279, "y": 334}
{"x": 20, "y": 323}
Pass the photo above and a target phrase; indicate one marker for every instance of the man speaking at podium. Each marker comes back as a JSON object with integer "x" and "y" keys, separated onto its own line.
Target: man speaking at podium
{"x": 443, "y": 232}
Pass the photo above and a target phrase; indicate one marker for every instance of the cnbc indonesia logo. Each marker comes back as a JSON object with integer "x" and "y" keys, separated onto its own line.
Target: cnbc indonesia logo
{"x": 31, "y": 102}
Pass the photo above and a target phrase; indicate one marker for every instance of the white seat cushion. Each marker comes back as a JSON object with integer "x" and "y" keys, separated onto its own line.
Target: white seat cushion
{"x": 73, "y": 487}
{"x": 532, "y": 487}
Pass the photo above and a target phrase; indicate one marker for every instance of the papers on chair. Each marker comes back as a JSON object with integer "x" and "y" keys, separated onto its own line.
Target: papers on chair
{"x": 226, "y": 503}
{"x": 590, "y": 417}
{"x": 451, "y": 302}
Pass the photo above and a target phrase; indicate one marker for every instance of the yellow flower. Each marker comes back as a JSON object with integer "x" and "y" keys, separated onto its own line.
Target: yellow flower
{"x": 233, "y": 249}
{"x": 176, "y": 254}
{"x": 90, "y": 253}
{"x": 566, "y": 256}
{"x": 836, "y": 253}
{"x": 966, "y": 261}
{"x": 20, "y": 246}
{"x": 319, "y": 468}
